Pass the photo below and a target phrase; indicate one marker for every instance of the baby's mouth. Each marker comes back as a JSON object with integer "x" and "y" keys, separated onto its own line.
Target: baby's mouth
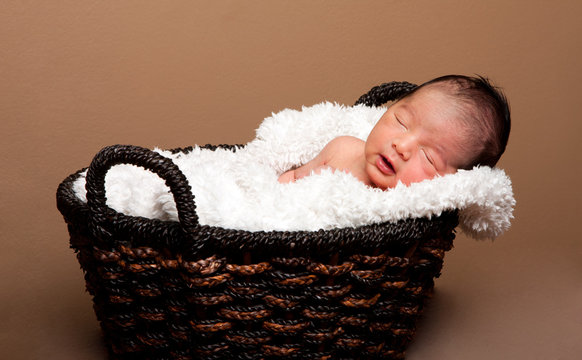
{"x": 385, "y": 166}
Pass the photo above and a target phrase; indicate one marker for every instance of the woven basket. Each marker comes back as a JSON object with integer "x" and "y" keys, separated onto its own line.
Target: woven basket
{"x": 181, "y": 290}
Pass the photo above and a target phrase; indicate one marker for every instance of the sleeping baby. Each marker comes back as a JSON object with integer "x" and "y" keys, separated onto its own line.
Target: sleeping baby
{"x": 449, "y": 123}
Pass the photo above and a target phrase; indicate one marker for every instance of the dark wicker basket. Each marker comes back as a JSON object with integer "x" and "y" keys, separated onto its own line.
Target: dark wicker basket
{"x": 180, "y": 290}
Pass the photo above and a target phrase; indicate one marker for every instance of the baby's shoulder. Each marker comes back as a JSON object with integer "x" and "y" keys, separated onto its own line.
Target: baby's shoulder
{"x": 343, "y": 147}
{"x": 342, "y": 141}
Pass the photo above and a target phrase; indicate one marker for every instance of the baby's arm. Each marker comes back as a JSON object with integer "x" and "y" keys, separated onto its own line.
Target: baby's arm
{"x": 320, "y": 162}
{"x": 315, "y": 165}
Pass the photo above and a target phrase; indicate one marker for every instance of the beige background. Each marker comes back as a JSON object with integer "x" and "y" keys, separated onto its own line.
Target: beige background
{"x": 79, "y": 75}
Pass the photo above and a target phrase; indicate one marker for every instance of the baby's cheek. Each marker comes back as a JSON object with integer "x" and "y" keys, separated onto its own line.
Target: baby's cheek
{"x": 415, "y": 174}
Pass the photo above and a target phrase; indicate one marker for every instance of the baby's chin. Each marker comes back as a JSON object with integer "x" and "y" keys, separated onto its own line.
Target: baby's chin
{"x": 379, "y": 180}
{"x": 386, "y": 182}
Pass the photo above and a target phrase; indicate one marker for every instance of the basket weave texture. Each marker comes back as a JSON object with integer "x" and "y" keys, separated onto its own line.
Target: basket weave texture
{"x": 181, "y": 290}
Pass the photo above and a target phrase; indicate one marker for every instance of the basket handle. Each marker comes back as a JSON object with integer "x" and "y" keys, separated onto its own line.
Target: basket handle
{"x": 385, "y": 92}
{"x": 149, "y": 160}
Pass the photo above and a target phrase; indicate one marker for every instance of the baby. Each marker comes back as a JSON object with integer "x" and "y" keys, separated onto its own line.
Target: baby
{"x": 449, "y": 123}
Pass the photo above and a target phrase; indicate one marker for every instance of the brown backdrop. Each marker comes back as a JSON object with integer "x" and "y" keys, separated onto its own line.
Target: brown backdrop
{"x": 79, "y": 75}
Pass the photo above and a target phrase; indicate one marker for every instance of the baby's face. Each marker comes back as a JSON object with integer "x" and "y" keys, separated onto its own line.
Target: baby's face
{"x": 417, "y": 138}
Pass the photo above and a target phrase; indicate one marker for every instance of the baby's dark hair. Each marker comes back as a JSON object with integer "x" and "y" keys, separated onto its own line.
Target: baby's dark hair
{"x": 485, "y": 110}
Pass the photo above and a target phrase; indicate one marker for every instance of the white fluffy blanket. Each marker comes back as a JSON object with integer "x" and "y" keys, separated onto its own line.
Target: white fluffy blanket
{"x": 240, "y": 190}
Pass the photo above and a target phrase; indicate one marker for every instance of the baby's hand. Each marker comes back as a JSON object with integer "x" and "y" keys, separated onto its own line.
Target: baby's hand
{"x": 301, "y": 172}
{"x": 287, "y": 177}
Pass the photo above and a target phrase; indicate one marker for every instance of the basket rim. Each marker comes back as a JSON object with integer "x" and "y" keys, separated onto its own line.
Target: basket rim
{"x": 172, "y": 234}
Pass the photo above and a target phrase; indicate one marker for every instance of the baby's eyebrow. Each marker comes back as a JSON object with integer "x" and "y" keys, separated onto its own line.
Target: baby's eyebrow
{"x": 407, "y": 109}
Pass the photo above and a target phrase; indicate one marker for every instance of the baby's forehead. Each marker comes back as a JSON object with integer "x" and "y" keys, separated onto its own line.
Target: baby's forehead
{"x": 435, "y": 101}
{"x": 446, "y": 90}
{"x": 460, "y": 110}
{"x": 437, "y": 112}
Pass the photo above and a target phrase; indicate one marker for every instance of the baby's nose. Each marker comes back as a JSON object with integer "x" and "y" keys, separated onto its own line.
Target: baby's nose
{"x": 403, "y": 146}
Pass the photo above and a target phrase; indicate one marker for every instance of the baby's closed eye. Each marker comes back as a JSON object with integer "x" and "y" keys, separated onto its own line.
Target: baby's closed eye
{"x": 428, "y": 157}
